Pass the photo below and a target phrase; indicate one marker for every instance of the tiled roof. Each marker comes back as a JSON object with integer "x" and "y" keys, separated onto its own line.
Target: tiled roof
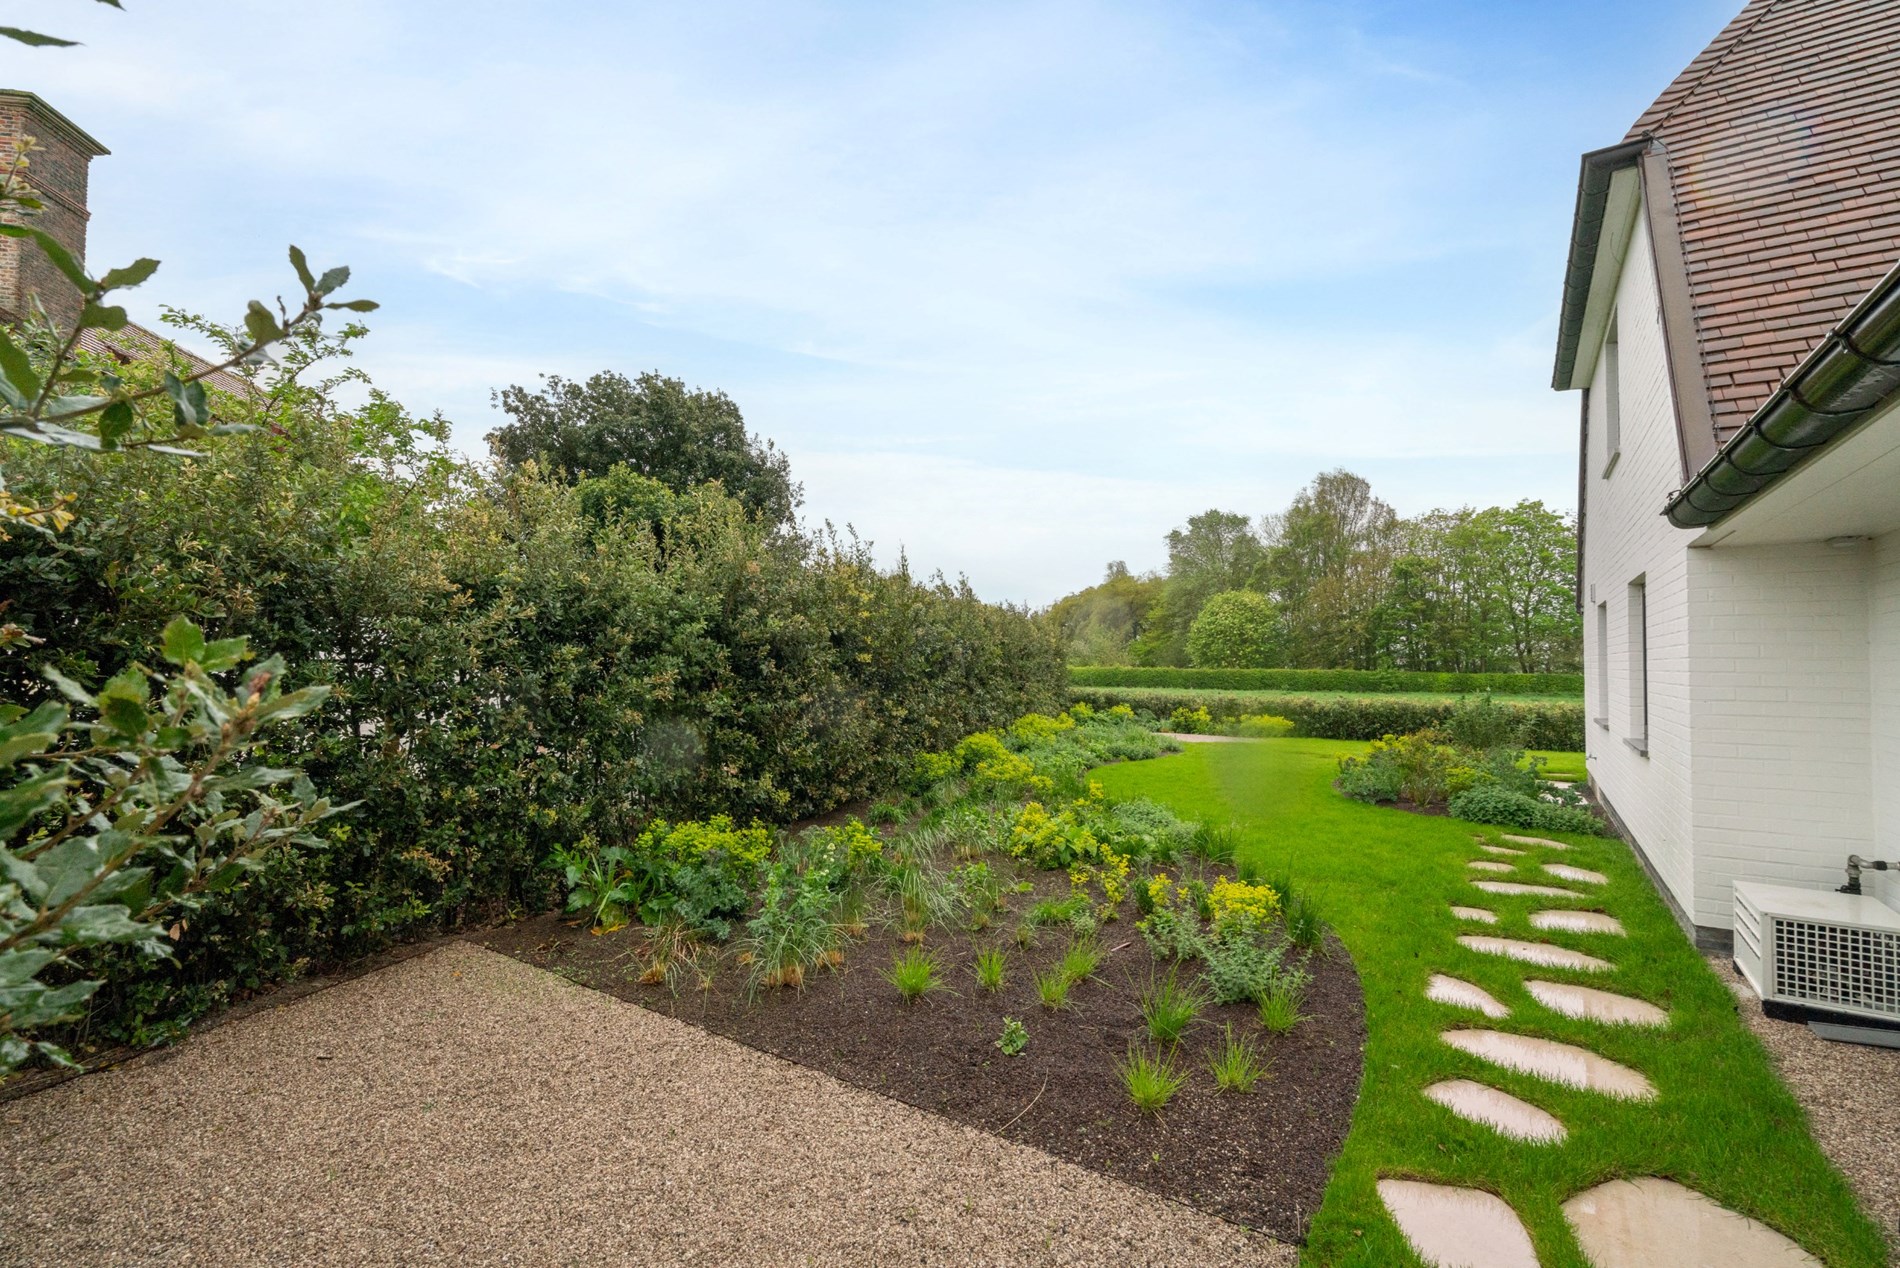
{"x": 1783, "y": 144}
{"x": 136, "y": 343}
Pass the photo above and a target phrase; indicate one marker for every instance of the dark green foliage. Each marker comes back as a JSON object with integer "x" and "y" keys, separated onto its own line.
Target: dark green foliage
{"x": 515, "y": 664}
{"x": 1482, "y": 725}
{"x": 1555, "y": 725}
{"x": 1489, "y": 803}
{"x": 650, "y": 426}
{"x": 1366, "y": 681}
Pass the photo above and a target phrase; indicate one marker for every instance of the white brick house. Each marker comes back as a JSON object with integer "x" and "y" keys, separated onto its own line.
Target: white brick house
{"x": 1731, "y": 316}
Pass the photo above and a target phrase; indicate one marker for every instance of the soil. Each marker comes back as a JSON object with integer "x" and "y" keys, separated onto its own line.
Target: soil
{"x": 1259, "y": 1159}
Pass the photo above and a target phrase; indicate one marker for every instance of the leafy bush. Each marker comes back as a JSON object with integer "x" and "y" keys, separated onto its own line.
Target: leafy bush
{"x": 1237, "y": 629}
{"x": 1363, "y": 780}
{"x": 1263, "y": 726}
{"x": 1242, "y": 968}
{"x": 1147, "y": 830}
{"x": 1416, "y": 767}
{"x": 1489, "y": 804}
{"x": 1482, "y": 725}
{"x": 111, "y": 825}
{"x": 1370, "y": 681}
{"x": 1547, "y": 725}
{"x": 1190, "y": 721}
{"x": 703, "y": 872}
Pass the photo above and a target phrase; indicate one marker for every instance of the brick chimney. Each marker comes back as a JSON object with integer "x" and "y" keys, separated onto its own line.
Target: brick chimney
{"x": 58, "y": 171}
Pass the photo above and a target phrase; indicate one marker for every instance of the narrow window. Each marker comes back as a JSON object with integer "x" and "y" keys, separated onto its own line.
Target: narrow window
{"x": 1612, "y": 402}
{"x": 1639, "y": 666}
{"x": 1603, "y": 665}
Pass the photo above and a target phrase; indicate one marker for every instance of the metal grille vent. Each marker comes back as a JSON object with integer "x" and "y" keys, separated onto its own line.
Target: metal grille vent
{"x": 1838, "y": 965}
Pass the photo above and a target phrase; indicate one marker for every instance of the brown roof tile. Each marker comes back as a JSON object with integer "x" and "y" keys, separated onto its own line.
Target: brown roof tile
{"x": 1783, "y": 139}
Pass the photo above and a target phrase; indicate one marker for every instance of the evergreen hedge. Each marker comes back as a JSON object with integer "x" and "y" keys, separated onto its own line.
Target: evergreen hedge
{"x": 1556, "y": 725}
{"x": 1367, "y": 681}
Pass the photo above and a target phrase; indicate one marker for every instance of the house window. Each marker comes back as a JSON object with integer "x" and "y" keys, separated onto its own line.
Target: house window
{"x": 1612, "y": 401}
{"x": 1603, "y": 665}
{"x": 1638, "y": 738}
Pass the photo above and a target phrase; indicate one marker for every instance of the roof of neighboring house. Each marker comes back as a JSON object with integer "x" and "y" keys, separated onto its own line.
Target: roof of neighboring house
{"x": 1783, "y": 145}
{"x": 136, "y": 343}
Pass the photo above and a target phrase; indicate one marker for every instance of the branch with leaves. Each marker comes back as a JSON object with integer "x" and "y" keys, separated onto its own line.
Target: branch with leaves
{"x": 113, "y": 825}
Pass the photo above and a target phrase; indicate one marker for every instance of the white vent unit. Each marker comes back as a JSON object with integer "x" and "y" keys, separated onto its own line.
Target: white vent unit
{"x": 1819, "y": 950}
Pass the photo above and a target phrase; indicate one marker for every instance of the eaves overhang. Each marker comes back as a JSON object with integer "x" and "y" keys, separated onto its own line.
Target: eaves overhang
{"x": 1586, "y": 235}
{"x": 1847, "y": 379}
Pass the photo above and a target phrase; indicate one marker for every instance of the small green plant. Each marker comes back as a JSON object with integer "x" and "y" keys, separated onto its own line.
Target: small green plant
{"x": 1280, "y": 1005}
{"x": 1170, "y": 1008}
{"x": 599, "y": 882}
{"x": 915, "y": 974}
{"x": 886, "y": 813}
{"x": 1236, "y": 1064}
{"x": 1151, "y": 1079}
{"x": 1081, "y": 960}
{"x": 1052, "y": 987}
{"x": 1026, "y": 936}
{"x": 1057, "y": 911}
{"x": 989, "y": 968}
{"x": 1015, "y": 1037}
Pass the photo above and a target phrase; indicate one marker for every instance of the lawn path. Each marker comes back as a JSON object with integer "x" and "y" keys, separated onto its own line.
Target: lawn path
{"x": 1721, "y": 1123}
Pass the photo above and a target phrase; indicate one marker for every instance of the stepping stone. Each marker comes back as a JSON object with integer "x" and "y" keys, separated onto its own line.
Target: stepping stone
{"x": 1592, "y": 1005}
{"x": 1559, "y": 1062}
{"x": 1576, "y": 921}
{"x": 1652, "y": 1223}
{"x": 1486, "y": 865}
{"x": 1462, "y": 994}
{"x": 1544, "y": 841}
{"x": 1500, "y": 1111}
{"x": 1479, "y": 914}
{"x": 1512, "y": 887}
{"x": 1458, "y": 1228}
{"x": 1563, "y": 871}
{"x": 1498, "y": 849}
{"x": 1552, "y": 957}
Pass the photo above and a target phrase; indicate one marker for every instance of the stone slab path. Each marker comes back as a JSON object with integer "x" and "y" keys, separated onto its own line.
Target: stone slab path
{"x": 1643, "y": 1222}
{"x": 465, "y": 1108}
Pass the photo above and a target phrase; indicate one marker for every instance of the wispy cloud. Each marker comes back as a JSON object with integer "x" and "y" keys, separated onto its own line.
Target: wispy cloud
{"x": 1016, "y": 285}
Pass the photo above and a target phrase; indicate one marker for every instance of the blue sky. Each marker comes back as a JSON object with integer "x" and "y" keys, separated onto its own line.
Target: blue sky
{"x": 1018, "y": 286}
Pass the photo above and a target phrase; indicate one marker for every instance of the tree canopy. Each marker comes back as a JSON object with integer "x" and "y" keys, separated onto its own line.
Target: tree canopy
{"x": 654, "y": 427}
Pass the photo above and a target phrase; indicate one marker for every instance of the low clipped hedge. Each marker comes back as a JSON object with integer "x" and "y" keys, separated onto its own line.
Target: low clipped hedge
{"x": 1367, "y": 681}
{"x": 1556, "y": 725}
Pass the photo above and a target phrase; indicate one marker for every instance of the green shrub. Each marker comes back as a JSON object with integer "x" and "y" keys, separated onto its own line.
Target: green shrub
{"x": 1241, "y": 968}
{"x": 1263, "y": 726}
{"x": 1480, "y": 724}
{"x": 1547, "y": 725}
{"x": 701, "y": 872}
{"x": 1237, "y": 629}
{"x": 1369, "y": 681}
{"x": 1487, "y": 804}
{"x": 1364, "y": 780}
{"x": 794, "y": 929}
{"x": 1190, "y": 720}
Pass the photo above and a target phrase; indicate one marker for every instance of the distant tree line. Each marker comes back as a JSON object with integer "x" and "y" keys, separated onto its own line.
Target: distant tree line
{"x": 1338, "y": 580}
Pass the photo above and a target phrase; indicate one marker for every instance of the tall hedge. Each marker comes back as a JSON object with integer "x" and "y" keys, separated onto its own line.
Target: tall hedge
{"x": 1556, "y": 725}
{"x": 1368, "y": 681}
{"x": 515, "y": 666}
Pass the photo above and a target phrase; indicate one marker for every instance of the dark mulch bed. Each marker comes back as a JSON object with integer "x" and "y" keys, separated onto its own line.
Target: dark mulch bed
{"x": 1260, "y": 1159}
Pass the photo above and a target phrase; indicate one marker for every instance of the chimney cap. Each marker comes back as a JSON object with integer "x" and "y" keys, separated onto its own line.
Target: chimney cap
{"x": 75, "y": 135}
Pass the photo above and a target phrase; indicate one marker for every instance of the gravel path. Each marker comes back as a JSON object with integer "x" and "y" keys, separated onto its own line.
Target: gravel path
{"x": 464, "y": 1108}
{"x": 1852, "y": 1095}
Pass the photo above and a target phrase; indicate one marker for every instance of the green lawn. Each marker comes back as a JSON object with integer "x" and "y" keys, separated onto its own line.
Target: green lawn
{"x": 1723, "y": 1125}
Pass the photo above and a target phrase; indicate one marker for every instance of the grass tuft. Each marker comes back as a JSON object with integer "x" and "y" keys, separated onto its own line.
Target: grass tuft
{"x": 915, "y": 974}
{"x": 1150, "y": 1079}
{"x": 1236, "y": 1064}
{"x": 1170, "y": 1008}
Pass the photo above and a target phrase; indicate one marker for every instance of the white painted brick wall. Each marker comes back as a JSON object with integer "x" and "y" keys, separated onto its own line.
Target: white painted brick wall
{"x": 1883, "y": 615}
{"x": 1625, "y": 537}
{"x": 1783, "y": 766}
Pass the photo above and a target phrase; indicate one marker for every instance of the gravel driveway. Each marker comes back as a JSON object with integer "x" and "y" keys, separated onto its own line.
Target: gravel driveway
{"x": 464, "y": 1108}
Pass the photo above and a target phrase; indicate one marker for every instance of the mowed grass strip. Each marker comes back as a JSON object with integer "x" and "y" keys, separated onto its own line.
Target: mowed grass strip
{"x": 1723, "y": 1124}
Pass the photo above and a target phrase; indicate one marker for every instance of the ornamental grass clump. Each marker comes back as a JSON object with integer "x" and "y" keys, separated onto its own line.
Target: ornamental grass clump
{"x": 1281, "y": 998}
{"x": 1151, "y": 1079}
{"x": 915, "y": 974}
{"x": 1236, "y": 1064}
{"x": 990, "y": 963}
{"x": 1169, "y": 1008}
{"x": 1052, "y": 987}
{"x": 1081, "y": 960}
